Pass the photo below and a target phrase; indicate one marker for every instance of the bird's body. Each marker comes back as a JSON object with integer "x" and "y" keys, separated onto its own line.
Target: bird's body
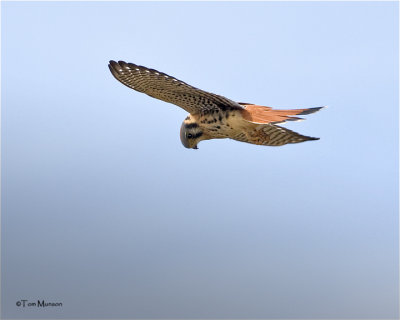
{"x": 212, "y": 116}
{"x": 218, "y": 124}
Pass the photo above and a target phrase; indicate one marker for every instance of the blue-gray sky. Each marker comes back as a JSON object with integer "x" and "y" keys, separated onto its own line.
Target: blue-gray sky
{"x": 105, "y": 211}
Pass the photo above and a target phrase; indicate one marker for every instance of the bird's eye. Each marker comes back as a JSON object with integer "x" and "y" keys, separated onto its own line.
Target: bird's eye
{"x": 189, "y": 135}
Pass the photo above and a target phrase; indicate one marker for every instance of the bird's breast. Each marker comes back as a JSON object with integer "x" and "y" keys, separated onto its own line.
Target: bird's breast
{"x": 220, "y": 124}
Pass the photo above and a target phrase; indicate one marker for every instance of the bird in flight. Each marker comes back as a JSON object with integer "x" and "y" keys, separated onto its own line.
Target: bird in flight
{"x": 212, "y": 116}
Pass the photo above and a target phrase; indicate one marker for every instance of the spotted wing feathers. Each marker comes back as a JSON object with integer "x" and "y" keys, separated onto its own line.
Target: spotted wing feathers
{"x": 271, "y": 135}
{"x": 169, "y": 89}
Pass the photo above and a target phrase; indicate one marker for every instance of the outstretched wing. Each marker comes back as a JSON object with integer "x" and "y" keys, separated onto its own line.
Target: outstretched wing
{"x": 271, "y": 135}
{"x": 169, "y": 89}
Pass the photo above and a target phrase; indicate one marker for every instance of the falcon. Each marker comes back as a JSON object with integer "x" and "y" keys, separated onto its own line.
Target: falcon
{"x": 212, "y": 116}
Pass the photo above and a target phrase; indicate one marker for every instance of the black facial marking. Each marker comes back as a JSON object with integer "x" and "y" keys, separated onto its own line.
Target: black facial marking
{"x": 197, "y": 135}
{"x": 191, "y": 125}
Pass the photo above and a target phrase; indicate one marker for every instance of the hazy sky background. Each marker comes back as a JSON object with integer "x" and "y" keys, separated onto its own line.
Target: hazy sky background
{"x": 105, "y": 211}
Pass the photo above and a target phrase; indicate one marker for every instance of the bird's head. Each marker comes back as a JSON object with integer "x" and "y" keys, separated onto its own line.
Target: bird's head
{"x": 191, "y": 133}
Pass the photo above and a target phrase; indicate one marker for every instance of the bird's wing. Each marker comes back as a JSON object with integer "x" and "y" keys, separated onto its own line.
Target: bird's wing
{"x": 271, "y": 135}
{"x": 169, "y": 89}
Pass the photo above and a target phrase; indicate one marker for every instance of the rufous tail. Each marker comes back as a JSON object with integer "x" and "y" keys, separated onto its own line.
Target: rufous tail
{"x": 263, "y": 114}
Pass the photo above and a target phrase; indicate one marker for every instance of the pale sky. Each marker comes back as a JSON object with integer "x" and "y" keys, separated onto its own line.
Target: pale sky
{"x": 105, "y": 211}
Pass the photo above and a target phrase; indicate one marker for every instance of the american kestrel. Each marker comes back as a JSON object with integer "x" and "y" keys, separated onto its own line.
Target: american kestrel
{"x": 212, "y": 116}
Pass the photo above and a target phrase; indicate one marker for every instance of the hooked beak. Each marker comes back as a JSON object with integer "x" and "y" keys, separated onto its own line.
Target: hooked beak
{"x": 195, "y": 147}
